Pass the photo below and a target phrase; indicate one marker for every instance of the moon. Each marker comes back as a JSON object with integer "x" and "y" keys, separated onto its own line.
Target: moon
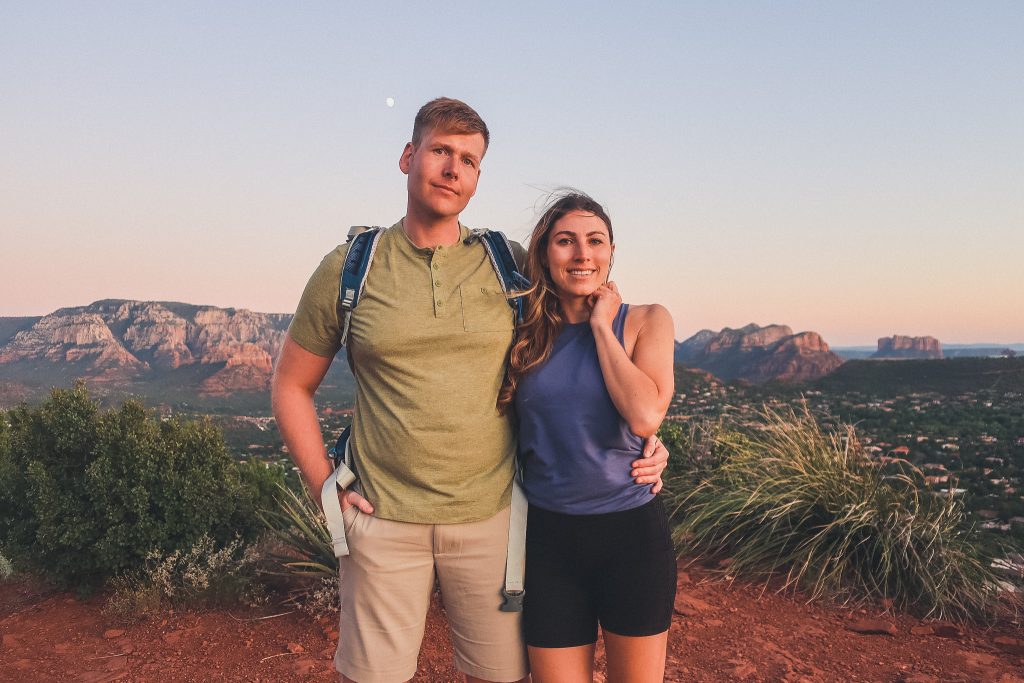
{"x": 390, "y": 101}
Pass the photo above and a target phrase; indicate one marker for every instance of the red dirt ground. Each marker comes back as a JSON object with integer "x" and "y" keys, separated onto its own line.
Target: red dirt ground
{"x": 720, "y": 632}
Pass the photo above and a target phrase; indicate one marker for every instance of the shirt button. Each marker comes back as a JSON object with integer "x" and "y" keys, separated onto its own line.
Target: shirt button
{"x": 437, "y": 266}
{"x": 437, "y": 283}
{"x": 440, "y": 303}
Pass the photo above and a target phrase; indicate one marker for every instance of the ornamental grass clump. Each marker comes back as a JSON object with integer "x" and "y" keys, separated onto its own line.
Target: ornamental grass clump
{"x": 790, "y": 502}
{"x": 303, "y": 540}
{"x": 303, "y": 552}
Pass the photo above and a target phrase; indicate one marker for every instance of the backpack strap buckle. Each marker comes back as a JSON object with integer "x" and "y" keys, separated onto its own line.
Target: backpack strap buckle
{"x": 513, "y": 600}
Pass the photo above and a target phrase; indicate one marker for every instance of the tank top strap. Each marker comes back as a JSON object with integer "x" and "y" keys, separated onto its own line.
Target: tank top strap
{"x": 619, "y": 324}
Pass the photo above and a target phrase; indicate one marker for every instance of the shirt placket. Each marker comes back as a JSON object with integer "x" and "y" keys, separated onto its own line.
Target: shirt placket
{"x": 438, "y": 260}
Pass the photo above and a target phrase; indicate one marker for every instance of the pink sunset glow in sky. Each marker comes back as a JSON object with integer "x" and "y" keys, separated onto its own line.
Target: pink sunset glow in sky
{"x": 853, "y": 169}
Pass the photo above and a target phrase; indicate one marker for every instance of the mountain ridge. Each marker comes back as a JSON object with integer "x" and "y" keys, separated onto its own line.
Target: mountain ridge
{"x": 759, "y": 354}
{"x": 126, "y": 340}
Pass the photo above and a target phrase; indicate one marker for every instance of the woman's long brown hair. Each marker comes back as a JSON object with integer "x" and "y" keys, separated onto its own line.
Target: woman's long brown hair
{"x": 542, "y": 319}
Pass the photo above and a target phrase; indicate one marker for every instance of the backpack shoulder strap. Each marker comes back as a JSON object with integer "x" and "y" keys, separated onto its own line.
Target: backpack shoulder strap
{"x": 499, "y": 251}
{"x": 513, "y": 283}
{"x": 362, "y": 243}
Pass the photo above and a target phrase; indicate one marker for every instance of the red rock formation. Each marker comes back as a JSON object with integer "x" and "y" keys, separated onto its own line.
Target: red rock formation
{"x": 747, "y": 338}
{"x": 900, "y": 346}
{"x": 72, "y": 336}
{"x": 759, "y": 354}
{"x": 117, "y": 339}
{"x": 798, "y": 358}
{"x": 156, "y": 331}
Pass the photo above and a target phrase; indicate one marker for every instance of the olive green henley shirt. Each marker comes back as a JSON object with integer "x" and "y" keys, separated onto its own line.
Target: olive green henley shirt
{"x": 429, "y": 343}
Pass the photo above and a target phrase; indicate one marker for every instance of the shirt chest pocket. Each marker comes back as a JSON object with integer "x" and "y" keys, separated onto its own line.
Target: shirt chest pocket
{"x": 485, "y": 309}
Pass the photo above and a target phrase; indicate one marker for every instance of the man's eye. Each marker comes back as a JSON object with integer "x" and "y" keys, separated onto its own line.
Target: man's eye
{"x": 468, "y": 162}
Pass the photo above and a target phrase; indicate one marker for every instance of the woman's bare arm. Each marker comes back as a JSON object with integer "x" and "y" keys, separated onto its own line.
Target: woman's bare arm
{"x": 640, "y": 386}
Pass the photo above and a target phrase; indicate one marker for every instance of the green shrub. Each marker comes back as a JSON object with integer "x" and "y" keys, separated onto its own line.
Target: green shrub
{"x": 89, "y": 494}
{"x": 263, "y": 480}
{"x": 792, "y": 502}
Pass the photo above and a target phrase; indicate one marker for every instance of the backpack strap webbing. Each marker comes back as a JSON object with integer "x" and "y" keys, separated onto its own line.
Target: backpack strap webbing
{"x": 499, "y": 251}
{"x": 362, "y": 244}
{"x": 341, "y": 478}
{"x": 515, "y": 556}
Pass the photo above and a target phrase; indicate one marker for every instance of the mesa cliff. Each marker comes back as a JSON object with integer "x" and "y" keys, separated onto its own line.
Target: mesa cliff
{"x": 759, "y": 354}
{"x": 217, "y": 350}
{"x": 900, "y": 346}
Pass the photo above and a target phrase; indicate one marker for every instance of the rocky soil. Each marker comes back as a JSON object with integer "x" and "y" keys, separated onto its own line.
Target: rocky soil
{"x": 721, "y": 632}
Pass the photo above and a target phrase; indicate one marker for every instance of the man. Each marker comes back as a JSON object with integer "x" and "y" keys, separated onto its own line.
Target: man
{"x": 428, "y": 341}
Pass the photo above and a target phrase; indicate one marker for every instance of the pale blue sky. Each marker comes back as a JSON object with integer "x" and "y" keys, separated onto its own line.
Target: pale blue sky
{"x": 856, "y": 169}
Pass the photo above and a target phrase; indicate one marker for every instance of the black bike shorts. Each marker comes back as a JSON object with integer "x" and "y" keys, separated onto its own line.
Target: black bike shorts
{"x": 616, "y": 569}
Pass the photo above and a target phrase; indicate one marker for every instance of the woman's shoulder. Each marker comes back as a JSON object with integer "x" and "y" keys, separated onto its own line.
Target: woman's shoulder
{"x": 643, "y": 315}
{"x": 646, "y": 321}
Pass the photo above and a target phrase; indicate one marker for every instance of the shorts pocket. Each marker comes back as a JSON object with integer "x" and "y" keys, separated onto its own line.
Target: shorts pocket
{"x": 348, "y": 517}
{"x": 485, "y": 309}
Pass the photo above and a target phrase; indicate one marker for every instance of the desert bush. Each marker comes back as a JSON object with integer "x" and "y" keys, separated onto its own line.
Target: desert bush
{"x": 320, "y": 600}
{"x": 6, "y": 568}
{"x": 89, "y": 494}
{"x": 203, "y": 575}
{"x": 790, "y": 501}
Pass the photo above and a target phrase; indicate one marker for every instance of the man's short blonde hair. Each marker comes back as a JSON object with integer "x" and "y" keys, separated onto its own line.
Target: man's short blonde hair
{"x": 449, "y": 116}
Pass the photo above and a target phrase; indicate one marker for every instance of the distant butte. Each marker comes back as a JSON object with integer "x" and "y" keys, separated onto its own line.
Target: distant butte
{"x": 900, "y": 346}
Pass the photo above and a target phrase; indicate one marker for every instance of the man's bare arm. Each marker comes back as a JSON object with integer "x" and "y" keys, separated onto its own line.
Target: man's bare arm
{"x": 296, "y": 378}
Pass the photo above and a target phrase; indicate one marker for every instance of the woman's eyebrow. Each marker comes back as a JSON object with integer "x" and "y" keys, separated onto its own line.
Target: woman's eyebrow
{"x": 573, "y": 233}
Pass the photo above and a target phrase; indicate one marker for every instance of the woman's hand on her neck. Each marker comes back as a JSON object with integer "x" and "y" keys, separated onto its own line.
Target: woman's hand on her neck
{"x": 604, "y": 305}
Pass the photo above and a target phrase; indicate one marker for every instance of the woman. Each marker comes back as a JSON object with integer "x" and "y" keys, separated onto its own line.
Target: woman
{"x": 589, "y": 379}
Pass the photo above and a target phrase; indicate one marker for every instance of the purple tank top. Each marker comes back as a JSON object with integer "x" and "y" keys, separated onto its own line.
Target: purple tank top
{"x": 574, "y": 447}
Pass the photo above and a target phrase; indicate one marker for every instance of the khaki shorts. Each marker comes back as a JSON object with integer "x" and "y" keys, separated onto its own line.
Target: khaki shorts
{"x": 386, "y": 584}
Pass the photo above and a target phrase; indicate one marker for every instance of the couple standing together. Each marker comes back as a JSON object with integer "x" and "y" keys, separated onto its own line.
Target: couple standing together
{"x": 451, "y": 393}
